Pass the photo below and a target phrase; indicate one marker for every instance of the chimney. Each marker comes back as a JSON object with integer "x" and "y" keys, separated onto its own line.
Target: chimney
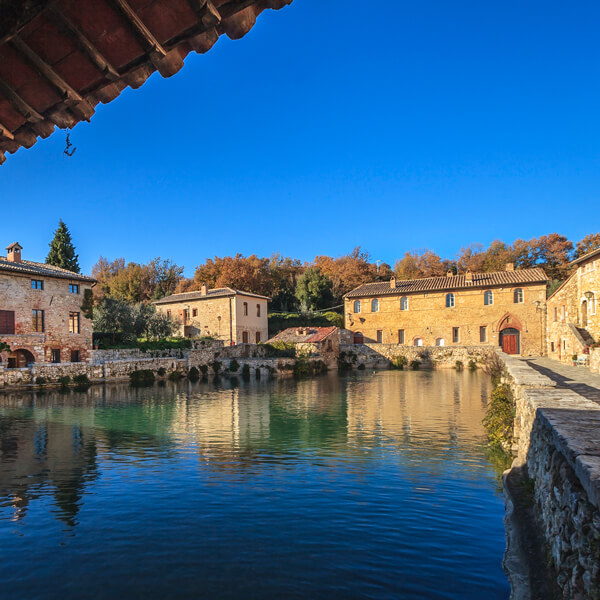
{"x": 510, "y": 267}
{"x": 393, "y": 283}
{"x": 469, "y": 276}
{"x": 204, "y": 290}
{"x": 13, "y": 252}
{"x": 449, "y": 273}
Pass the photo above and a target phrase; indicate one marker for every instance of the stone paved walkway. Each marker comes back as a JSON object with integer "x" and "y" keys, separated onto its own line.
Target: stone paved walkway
{"x": 578, "y": 379}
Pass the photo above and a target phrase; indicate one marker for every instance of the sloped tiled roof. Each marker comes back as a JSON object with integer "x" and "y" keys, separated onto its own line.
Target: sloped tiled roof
{"x": 216, "y": 293}
{"x": 586, "y": 256}
{"x": 314, "y": 335}
{"x": 27, "y": 267}
{"x": 456, "y": 282}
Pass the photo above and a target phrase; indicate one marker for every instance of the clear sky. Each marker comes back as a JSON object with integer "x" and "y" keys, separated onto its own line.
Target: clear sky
{"x": 335, "y": 123}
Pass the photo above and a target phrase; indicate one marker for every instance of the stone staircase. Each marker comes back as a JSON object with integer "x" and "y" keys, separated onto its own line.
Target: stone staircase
{"x": 586, "y": 336}
{"x": 582, "y": 336}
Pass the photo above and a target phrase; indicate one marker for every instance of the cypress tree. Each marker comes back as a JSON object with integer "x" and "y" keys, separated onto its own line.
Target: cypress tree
{"x": 62, "y": 251}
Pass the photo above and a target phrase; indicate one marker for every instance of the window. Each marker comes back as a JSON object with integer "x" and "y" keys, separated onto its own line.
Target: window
{"x": 168, "y": 313}
{"x": 488, "y": 298}
{"x": 194, "y": 312}
{"x": 379, "y": 336}
{"x": 404, "y": 303}
{"x": 551, "y": 346}
{"x": 401, "y": 336}
{"x": 37, "y": 320}
{"x": 258, "y": 337}
{"x": 37, "y": 284}
{"x": 455, "y": 335}
{"x": 357, "y": 306}
{"x": 258, "y": 310}
{"x": 245, "y": 309}
{"x": 55, "y": 358}
{"x": 74, "y": 322}
{"x": 75, "y": 356}
{"x": 483, "y": 333}
{"x": 186, "y": 315}
{"x": 519, "y": 297}
{"x": 7, "y": 322}
{"x": 329, "y": 345}
{"x": 244, "y": 337}
{"x": 555, "y": 314}
{"x": 73, "y": 288}
{"x": 449, "y": 300}
{"x": 440, "y": 342}
{"x": 563, "y": 312}
{"x": 375, "y": 305}
{"x": 418, "y": 342}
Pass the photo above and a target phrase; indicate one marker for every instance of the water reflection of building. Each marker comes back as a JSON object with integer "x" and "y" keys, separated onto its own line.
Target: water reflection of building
{"x": 424, "y": 408}
{"x": 37, "y": 454}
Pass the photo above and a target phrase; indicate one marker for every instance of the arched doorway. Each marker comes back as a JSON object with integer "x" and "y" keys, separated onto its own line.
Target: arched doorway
{"x": 359, "y": 338}
{"x": 19, "y": 359}
{"x": 510, "y": 340}
{"x": 584, "y": 313}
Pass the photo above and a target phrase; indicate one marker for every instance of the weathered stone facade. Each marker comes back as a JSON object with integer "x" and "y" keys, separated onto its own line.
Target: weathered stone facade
{"x": 59, "y": 330}
{"x": 573, "y": 318}
{"x": 478, "y": 310}
{"x": 225, "y": 314}
{"x": 556, "y": 435}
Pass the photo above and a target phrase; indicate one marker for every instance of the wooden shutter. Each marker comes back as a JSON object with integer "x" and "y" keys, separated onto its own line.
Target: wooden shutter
{"x": 7, "y": 321}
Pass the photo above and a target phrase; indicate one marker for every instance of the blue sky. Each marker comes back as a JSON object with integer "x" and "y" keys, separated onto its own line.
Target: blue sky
{"x": 332, "y": 124}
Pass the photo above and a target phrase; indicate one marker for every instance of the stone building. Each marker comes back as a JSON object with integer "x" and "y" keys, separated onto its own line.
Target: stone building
{"x": 573, "y": 321}
{"x": 504, "y": 309}
{"x": 226, "y": 314}
{"x": 314, "y": 340}
{"x": 41, "y": 318}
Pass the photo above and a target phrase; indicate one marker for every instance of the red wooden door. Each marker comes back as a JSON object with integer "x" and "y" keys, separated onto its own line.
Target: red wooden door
{"x": 510, "y": 343}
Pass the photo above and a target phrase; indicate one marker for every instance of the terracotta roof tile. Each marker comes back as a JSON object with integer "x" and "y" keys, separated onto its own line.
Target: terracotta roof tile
{"x": 456, "y": 282}
{"x": 27, "y": 267}
{"x": 215, "y": 293}
{"x": 313, "y": 336}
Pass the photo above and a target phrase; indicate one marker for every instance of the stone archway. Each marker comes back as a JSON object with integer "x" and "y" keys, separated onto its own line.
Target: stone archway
{"x": 509, "y": 334}
{"x": 20, "y": 359}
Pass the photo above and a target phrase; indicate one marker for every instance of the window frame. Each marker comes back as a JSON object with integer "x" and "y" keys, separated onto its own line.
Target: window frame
{"x": 357, "y": 305}
{"x": 483, "y": 336}
{"x": 38, "y": 320}
{"x": 456, "y": 335}
{"x": 379, "y": 335}
{"x": 74, "y": 320}
{"x": 488, "y": 298}
{"x": 375, "y": 305}
{"x": 74, "y": 288}
{"x": 401, "y": 337}
{"x": 518, "y": 296}
{"x": 35, "y": 286}
{"x": 245, "y": 309}
{"x": 258, "y": 310}
{"x": 450, "y": 300}
{"x": 404, "y": 303}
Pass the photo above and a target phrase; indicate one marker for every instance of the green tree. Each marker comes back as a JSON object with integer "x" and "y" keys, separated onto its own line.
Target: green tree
{"x": 314, "y": 290}
{"x": 62, "y": 251}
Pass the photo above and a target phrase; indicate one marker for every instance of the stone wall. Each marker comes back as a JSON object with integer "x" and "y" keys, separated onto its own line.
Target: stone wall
{"x": 379, "y": 356}
{"x": 557, "y": 435}
{"x": 595, "y": 360}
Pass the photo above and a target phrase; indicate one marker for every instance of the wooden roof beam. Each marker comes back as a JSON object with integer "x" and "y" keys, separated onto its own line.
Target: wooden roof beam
{"x": 70, "y": 29}
{"x": 5, "y": 134}
{"x": 22, "y": 107}
{"x": 71, "y": 98}
{"x": 207, "y": 12}
{"x": 167, "y": 63}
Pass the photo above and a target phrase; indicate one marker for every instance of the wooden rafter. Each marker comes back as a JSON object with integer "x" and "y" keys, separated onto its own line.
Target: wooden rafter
{"x": 206, "y": 11}
{"x": 70, "y": 96}
{"x": 68, "y": 27}
{"x": 19, "y": 104}
{"x": 144, "y": 35}
{"x": 5, "y": 134}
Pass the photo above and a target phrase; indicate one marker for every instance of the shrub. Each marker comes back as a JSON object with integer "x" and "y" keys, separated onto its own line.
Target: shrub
{"x": 399, "y": 362}
{"x": 459, "y": 365}
{"x": 64, "y": 381}
{"x": 175, "y": 376}
{"x": 216, "y": 367}
{"x": 161, "y": 372}
{"x": 82, "y": 379}
{"x": 40, "y": 380}
{"x": 246, "y": 372}
{"x": 280, "y": 350}
{"x": 234, "y": 365}
{"x": 414, "y": 365}
{"x": 472, "y": 365}
{"x": 193, "y": 374}
{"x": 500, "y": 418}
{"x": 142, "y": 377}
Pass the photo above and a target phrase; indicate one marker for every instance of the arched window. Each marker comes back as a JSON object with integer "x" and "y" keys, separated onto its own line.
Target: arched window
{"x": 375, "y": 305}
{"x": 418, "y": 342}
{"x": 440, "y": 342}
{"x": 519, "y": 296}
{"x": 488, "y": 298}
{"x": 450, "y": 300}
{"x": 404, "y": 303}
{"x": 357, "y": 306}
